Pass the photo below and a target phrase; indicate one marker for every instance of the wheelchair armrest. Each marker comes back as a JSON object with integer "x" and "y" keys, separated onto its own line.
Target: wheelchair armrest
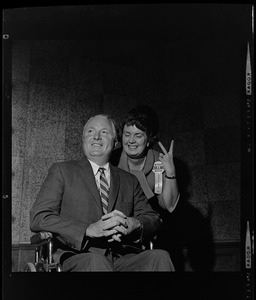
{"x": 43, "y": 242}
{"x": 41, "y": 237}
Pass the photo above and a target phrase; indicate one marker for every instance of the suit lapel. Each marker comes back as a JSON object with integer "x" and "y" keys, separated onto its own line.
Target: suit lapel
{"x": 114, "y": 188}
{"x": 89, "y": 180}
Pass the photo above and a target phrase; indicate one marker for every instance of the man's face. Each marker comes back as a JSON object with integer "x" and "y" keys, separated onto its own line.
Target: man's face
{"x": 98, "y": 139}
{"x": 134, "y": 141}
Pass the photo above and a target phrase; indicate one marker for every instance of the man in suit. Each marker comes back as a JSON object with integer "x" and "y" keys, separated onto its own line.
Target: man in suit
{"x": 92, "y": 236}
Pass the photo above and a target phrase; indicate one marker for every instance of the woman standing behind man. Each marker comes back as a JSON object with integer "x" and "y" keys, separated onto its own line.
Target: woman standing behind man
{"x": 154, "y": 170}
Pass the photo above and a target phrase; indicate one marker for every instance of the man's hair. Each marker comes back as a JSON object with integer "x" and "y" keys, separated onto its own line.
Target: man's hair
{"x": 111, "y": 120}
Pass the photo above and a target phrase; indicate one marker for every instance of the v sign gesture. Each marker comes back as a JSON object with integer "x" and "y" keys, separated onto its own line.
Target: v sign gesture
{"x": 167, "y": 159}
{"x": 169, "y": 197}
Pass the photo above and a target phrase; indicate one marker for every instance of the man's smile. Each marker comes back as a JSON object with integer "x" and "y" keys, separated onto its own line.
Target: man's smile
{"x": 96, "y": 144}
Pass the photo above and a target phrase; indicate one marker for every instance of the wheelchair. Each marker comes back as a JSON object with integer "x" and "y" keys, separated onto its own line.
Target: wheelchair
{"x": 44, "y": 243}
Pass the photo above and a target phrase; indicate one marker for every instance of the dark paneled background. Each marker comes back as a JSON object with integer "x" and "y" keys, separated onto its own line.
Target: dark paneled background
{"x": 195, "y": 86}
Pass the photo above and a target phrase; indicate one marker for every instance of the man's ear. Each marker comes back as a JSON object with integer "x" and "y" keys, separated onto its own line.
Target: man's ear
{"x": 115, "y": 144}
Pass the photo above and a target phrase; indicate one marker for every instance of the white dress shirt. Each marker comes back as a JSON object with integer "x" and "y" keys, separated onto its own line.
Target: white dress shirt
{"x": 96, "y": 172}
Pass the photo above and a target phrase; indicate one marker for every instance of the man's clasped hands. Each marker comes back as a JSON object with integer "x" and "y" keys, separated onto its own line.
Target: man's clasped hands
{"x": 113, "y": 226}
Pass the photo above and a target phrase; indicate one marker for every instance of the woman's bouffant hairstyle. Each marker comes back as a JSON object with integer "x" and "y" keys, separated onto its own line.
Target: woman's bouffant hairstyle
{"x": 144, "y": 118}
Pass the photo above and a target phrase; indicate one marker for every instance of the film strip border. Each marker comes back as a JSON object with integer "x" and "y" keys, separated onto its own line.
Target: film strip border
{"x": 247, "y": 182}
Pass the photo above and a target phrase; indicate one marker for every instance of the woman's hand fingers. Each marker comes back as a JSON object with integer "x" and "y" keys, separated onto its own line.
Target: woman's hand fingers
{"x": 171, "y": 147}
{"x": 167, "y": 158}
{"x": 162, "y": 147}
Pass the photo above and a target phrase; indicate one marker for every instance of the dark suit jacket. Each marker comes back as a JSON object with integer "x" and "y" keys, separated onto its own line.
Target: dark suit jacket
{"x": 69, "y": 202}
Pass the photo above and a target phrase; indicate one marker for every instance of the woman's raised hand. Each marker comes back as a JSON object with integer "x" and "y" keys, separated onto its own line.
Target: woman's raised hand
{"x": 167, "y": 159}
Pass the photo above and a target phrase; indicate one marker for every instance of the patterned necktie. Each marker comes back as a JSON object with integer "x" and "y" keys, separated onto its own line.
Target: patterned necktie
{"x": 104, "y": 190}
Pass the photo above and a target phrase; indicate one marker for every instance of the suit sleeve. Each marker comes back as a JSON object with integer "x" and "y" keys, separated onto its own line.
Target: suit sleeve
{"x": 45, "y": 213}
{"x": 143, "y": 211}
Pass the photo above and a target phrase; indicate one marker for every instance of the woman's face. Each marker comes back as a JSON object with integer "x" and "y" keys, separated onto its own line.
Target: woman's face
{"x": 134, "y": 141}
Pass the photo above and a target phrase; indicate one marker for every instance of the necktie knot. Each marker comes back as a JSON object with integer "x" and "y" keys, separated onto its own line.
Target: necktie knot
{"x": 101, "y": 170}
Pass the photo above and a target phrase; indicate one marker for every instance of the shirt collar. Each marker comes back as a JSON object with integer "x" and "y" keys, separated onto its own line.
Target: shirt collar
{"x": 96, "y": 167}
